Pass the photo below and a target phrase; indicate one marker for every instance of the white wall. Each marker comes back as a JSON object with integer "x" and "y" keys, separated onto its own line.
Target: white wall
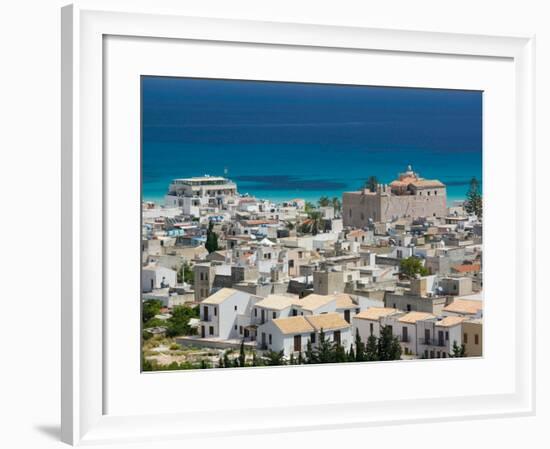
{"x": 29, "y": 36}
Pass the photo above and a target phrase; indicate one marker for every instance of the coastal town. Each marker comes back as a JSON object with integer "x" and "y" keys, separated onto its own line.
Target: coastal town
{"x": 387, "y": 272}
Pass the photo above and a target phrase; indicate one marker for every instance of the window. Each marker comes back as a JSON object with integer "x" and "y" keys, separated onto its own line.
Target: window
{"x": 240, "y": 330}
{"x": 465, "y": 338}
{"x": 431, "y": 354}
{"x": 476, "y": 339}
{"x": 255, "y": 312}
{"x": 235, "y": 308}
{"x": 446, "y": 335}
{"x": 405, "y": 334}
{"x": 201, "y": 276}
{"x": 350, "y": 212}
{"x": 371, "y": 326}
{"x": 274, "y": 315}
{"x": 312, "y": 337}
{"x": 211, "y": 330}
{"x": 444, "y": 355}
{"x": 270, "y": 339}
{"x": 235, "y": 327}
{"x": 291, "y": 263}
{"x": 435, "y": 192}
{"x": 215, "y": 311}
{"x": 429, "y": 195}
{"x": 337, "y": 337}
{"x": 408, "y": 307}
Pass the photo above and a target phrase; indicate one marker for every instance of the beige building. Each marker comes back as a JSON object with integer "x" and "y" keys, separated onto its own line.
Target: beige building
{"x": 408, "y": 196}
{"x": 472, "y": 337}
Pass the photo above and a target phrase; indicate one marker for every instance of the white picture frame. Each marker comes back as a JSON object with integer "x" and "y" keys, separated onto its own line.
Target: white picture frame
{"x": 85, "y": 416}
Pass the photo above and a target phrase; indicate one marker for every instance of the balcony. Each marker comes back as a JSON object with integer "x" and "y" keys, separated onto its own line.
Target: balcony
{"x": 432, "y": 342}
{"x": 405, "y": 339}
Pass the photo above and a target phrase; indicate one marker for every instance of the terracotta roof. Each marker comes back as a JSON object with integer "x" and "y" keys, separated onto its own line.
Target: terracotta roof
{"x": 275, "y": 302}
{"x": 327, "y": 321}
{"x": 220, "y": 296}
{"x": 344, "y": 301}
{"x": 428, "y": 183}
{"x": 413, "y": 317}
{"x": 293, "y": 325}
{"x": 467, "y": 268}
{"x": 450, "y": 321}
{"x": 356, "y": 232}
{"x": 314, "y": 301}
{"x": 465, "y": 306}
{"x": 375, "y": 313}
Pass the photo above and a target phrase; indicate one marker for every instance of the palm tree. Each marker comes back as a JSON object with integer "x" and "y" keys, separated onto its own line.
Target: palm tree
{"x": 337, "y": 204}
{"x": 324, "y": 201}
{"x": 312, "y": 225}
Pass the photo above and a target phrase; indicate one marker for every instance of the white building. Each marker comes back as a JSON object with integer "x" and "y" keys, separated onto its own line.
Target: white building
{"x": 192, "y": 194}
{"x": 156, "y": 276}
{"x": 292, "y": 334}
{"x": 226, "y": 314}
{"x": 368, "y": 322}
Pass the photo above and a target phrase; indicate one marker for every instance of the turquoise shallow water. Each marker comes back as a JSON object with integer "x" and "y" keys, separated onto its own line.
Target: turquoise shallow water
{"x": 280, "y": 172}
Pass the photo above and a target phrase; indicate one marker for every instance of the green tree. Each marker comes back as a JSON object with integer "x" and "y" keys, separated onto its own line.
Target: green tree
{"x": 359, "y": 348}
{"x": 313, "y": 224}
{"x": 311, "y": 356}
{"x": 337, "y": 204}
{"x": 309, "y": 206}
{"x": 388, "y": 345}
{"x": 371, "y": 350}
{"x": 226, "y": 362}
{"x": 242, "y": 355}
{"x": 371, "y": 183}
{"x": 474, "y": 202}
{"x": 351, "y": 355}
{"x": 274, "y": 358}
{"x": 458, "y": 351}
{"x": 324, "y": 349}
{"x": 411, "y": 266}
{"x": 149, "y": 309}
{"x": 178, "y": 324}
{"x": 338, "y": 354}
{"x": 211, "y": 239}
{"x": 323, "y": 201}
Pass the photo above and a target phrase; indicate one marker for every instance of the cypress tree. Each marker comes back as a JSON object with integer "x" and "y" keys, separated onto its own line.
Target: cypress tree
{"x": 474, "y": 203}
{"x": 351, "y": 354}
{"x": 242, "y": 355}
{"x": 359, "y": 348}
{"x": 211, "y": 239}
{"x": 325, "y": 350}
{"x": 371, "y": 351}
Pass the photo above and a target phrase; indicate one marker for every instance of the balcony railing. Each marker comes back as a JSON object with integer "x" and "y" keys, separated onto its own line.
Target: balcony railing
{"x": 432, "y": 342}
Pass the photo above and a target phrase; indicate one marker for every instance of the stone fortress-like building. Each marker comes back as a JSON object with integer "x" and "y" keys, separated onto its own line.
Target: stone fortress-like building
{"x": 408, "y": 196}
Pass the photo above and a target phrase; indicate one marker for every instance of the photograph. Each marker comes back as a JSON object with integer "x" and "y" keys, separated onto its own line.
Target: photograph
{"x": 294, "y": 223}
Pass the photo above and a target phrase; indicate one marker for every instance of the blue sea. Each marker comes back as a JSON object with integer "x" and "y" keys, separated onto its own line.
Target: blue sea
{"x": 294, "y": 140}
